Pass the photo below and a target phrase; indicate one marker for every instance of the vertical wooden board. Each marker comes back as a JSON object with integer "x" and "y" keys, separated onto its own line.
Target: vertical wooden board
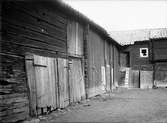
{"x": 56, "y": 82}
{"x": 76, "y": 81}
{"x": 107, "y": 52}
{"x": 130, "y": 78}
{"x": 108, "y": 77}
{"x": 73, "y": 81}
{"x": 41, "y": 73}
{"x": 146, "y": 79}
{"x": 71, "y": 90}
{"x": 81, "y": 84}
{"x": 80, "y": 40}
{"x": 77, "y": 87}
{"x": 112, "y": 78}
{"x": 135, "y": 79}
{"x": 63, "y": 82}
{"x": 127, "y": 77}
{"x": 52, "y": 82}
{"x": 90, "y": 86}
{"x": 71, "y": 36}
{"x": 103, "y": 78}
{"x": 75, "y": 38}
{"x": 111, "y": 66}
{"x": 31, "y": 83}
{"x": 116, "y": 66}
{"x": 79, "y": 78}
{"x": 107, "y": 64}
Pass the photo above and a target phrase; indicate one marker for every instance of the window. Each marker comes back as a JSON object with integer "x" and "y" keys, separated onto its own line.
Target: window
{"x": 143, "y": 52}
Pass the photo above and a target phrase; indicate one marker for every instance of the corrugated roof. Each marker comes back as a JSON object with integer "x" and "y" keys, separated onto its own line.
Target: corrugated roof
{"x": 129, "y": 37}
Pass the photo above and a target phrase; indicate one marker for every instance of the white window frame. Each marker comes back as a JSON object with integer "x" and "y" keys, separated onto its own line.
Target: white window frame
{"x": 141, "y": 54}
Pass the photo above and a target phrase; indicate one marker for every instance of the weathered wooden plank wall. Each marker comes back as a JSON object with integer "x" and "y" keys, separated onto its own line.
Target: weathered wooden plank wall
{"x": 136, "y": 62}
{"x": 123, "y": 60}
{"x": 159, "y": 49}
{"x": 36, "y": 27}
{"x": 32, "y": 27}
{"x": 161, "y": 74}
{"x": 40, "y": 28}
{"x": 14, "y": 104}
{"x": 96, "y": 62}
{"x": 159, "y": 58}
{"x": 75, "y": 37}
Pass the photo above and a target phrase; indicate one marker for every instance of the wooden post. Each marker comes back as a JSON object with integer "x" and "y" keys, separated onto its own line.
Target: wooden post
{"x": 111, "y": 66}
{"x": 113, "y": 83}
{"x": 152, "y": 60}
{"x": 86, "y": 53}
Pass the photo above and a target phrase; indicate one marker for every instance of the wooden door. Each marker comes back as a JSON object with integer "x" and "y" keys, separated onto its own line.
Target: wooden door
{"x": 76, "y": 80}
{"x": 48, "y": 83}
{"x": 46, "y": 77}
{"x": 41, "y": 78}
{"x": 63, "y": 82}
{"x": 135, "y": 79}
{"x": 146, "y": 79}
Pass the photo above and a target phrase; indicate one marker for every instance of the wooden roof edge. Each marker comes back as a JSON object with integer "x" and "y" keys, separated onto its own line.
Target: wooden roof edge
{"x": 71, "y": 12}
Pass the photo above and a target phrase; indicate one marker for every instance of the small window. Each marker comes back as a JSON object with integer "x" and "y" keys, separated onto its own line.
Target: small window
{"x": 143, "y": 52}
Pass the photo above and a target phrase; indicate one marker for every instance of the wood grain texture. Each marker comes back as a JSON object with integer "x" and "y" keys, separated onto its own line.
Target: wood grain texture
{"x": 52, "y": 76}
{"x": 41, "y": 77}
{"x": 135, "y": 79}
{"x": 34, "y": 26}
{"x": 95, "y": 61}
{"x": 63, "y": 82}
{"x": 75, "y": 38}
{"x": 31, "y": 84}
{"x": 146, "y": 79}
{"x": 76, "y": 81}
{"x": 160, "y": 74}
{"x": 13, "y": 89}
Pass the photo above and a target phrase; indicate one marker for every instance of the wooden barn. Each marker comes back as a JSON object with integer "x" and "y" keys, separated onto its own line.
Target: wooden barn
{"x": 50, "y": 57}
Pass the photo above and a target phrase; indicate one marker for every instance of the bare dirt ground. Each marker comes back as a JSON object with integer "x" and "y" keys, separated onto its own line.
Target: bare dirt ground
{"x": 149, "y": 105}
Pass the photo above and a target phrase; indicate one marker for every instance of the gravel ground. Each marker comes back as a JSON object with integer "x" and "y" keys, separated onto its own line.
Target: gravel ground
{"x": 135, "y": 105}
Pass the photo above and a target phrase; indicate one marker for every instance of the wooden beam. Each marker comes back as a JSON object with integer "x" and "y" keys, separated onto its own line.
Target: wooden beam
{"x": 31, "y": 84}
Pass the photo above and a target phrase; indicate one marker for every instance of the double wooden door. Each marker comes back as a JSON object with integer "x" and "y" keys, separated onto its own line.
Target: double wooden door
{"x": 53, "y": 82}
{"x": 47, "y": 82}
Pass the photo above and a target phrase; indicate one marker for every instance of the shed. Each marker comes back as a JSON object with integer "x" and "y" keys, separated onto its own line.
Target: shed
{"x": 51, "y": 56}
